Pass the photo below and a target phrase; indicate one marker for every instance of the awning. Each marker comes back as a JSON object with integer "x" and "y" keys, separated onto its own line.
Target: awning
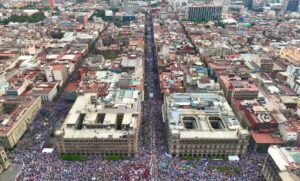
{"x": 47, "y": 150}
{"x": 233, "y": 158}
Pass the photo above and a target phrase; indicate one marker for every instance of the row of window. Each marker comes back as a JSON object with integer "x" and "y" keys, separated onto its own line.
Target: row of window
{"x": 95, "y": 147}
{"x": 102, "y": 152}
{"x": 98, "y": 140}
{"x": 206, "y": 146}
{"x": 208, "y": 142}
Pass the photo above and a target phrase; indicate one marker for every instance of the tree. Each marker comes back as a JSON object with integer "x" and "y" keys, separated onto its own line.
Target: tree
{"x": 111, "y": 55}
{"x": 114, "y": 9}
{"x": 37, "y": 17}
{"x": 100, "y": 13}
{"x": 4, "y": 22}
{"x": 118, "y": 23}
{"x": 80, "y": 1}
{"x": 220, "y": 23}
{"x": 57, "y": 34}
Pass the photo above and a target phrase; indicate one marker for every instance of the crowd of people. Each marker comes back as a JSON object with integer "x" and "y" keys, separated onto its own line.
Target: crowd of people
{"x": 151, "y": 161}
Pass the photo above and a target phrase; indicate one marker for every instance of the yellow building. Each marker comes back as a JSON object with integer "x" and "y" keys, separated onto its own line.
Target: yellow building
{"x": 4, "y": 162}
{"x": 15, "y": 117}
{"x": 292, "y": 54}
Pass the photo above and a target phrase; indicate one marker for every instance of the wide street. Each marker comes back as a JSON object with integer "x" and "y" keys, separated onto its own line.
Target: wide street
{"x": 152, "y": 97}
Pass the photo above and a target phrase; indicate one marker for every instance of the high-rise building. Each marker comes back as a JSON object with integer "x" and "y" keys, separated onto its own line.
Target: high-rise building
{"x": 290, "y": 5}
{"x": 249, "y": 4}
{"x": 204, "y": 12}
{"x": 254, "y": 4}
{"x": 224, "y": 3}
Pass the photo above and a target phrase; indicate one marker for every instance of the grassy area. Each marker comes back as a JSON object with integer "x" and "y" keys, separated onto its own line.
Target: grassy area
{"x": 110, "y": 55}
{"x": 218, "y": 157}
{"x": 114, "y": 157}
{"x": 224, "y": 169}
{"x": 186, "y": 157}
{"x": 37, "y": 17}
{"x": 72, "y": 157}
{"x": 237, "y": 170}
{"x": 195, "y": 20}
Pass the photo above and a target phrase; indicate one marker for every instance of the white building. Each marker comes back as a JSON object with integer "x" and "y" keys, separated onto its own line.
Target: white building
{"x": 56, "y": 73}
{"x": 287, "y": 134}
{"x": 47, "y": 91}
{"x": 293, "y": 79}
{"x": 178, "y": 4}
{"x": 282, "y": 164}
{"x": 16, "y": 88}
{"x": 48, "y": 73}
{"x": 3, "y": 83}
{"x": 224, "y": 3}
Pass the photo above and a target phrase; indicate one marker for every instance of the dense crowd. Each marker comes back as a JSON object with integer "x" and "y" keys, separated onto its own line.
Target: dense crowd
{"x": 151, "y": 161}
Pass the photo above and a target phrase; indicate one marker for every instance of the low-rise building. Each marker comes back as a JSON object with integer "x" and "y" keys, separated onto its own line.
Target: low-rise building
{"x": 292, "y": 54}
{"x": 4, "y": 161}
{"x": 102, "y": 125}
{"x": 254, "y": 115}
{"x": 47, "y": 90}
{"x": 16, "y": 114}
{"x": 237, "y": 89}
{"x": 282, "y": 164}
{"x": 202, "y": 124}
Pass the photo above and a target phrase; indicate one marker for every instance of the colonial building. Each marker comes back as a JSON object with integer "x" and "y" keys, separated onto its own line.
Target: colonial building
{"x": 16, "y": 114}
{"x": 102, "y": 125}
{"x": 4, "y": 161}
{"x": 202, "y": 124}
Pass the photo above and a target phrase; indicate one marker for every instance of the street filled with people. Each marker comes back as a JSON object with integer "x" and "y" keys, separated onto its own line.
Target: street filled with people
{"x": 152, "y": 161}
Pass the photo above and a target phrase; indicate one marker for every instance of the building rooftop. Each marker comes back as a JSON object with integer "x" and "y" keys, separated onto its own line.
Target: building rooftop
{"x": 265, "y": 138}
{"x": 236, "y": 83}
{"x": 13, "y": 109}
{"x": 287, "y": 159}
{"x": 111, "y": 116}
{"x": 255, "y": 112}
{"x": 201, "y": 115}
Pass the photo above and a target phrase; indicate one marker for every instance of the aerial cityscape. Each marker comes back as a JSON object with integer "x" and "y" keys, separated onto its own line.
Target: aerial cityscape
{"x": 149, "y": 90}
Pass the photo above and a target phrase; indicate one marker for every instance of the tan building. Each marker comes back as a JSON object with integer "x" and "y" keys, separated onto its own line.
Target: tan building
{"x": 282, "y": 164}
{"x": 202, "y": 124}
{"x": 292, "y": 54}
{"x": 4, "y": 162}
{"x": 102, "y": 125}
{"x": 16, "y": 114}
